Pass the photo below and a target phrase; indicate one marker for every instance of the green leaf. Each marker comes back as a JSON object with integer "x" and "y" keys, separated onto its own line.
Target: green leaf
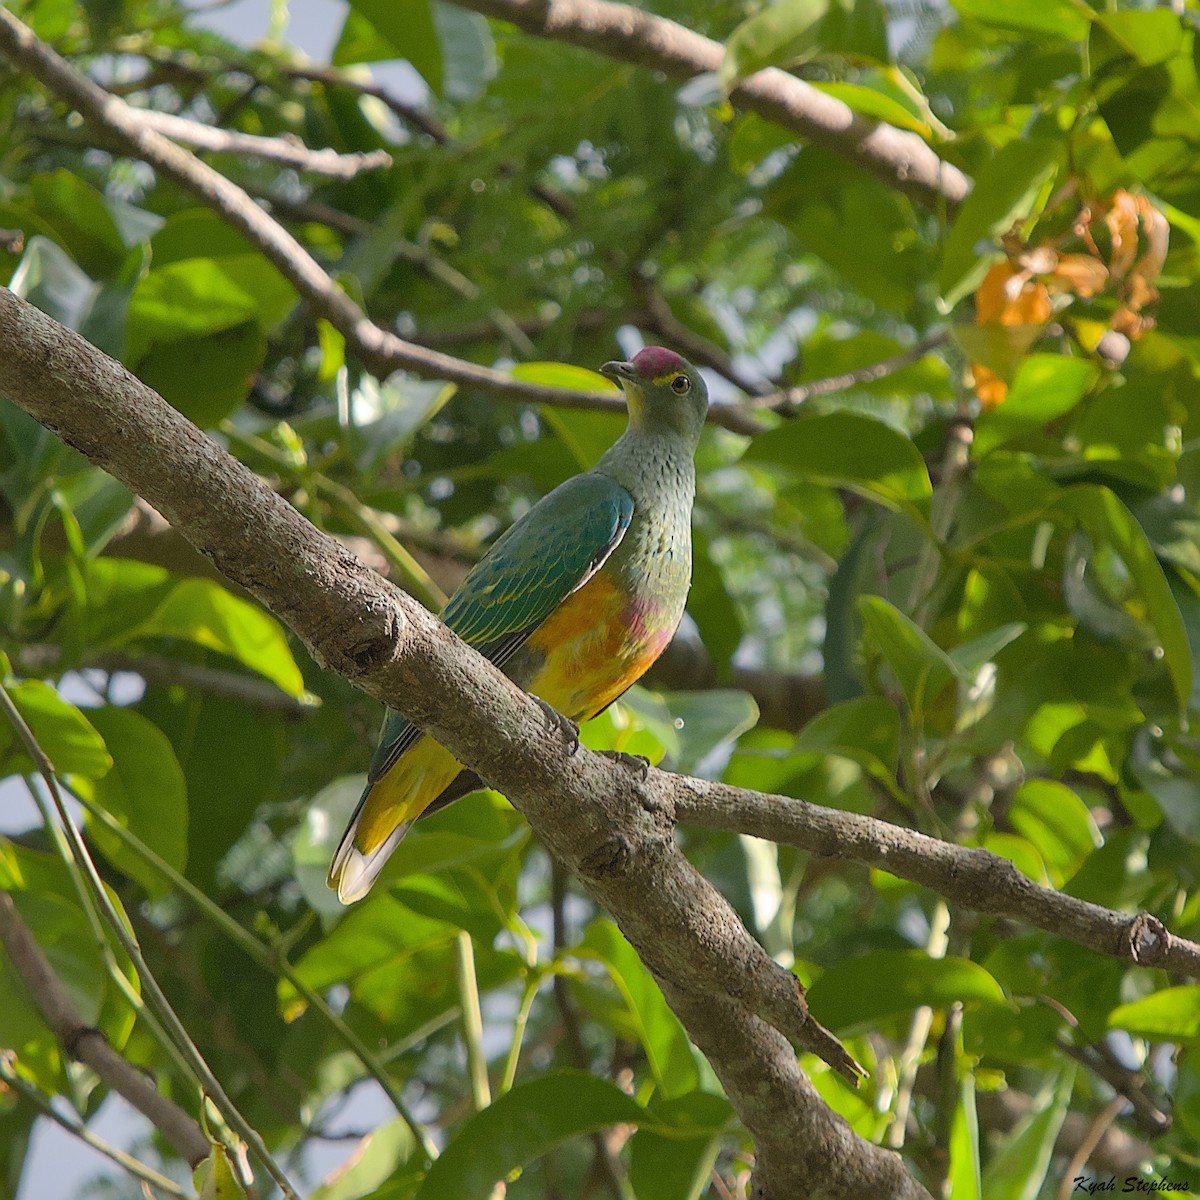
{"x": 753, "y": 139}
{"x": 1150, "y": 37}
{"x": 785, "y": 34}
{"x": 49, "y": 278}
{"x": 68, "y": 738}
{"x": 1023, "y": 855}
{"x": 711, "y": 606}
{"x": 964, "y": 1176}
{"x": 1006, "y": 191}
{"x": 845, "y": 449}
{"x": 1046, "y": 387}
{"x": 861, "y": 992}
{"x": 144, "y": 792}
{"x": 865, "y": 730}
{"x": 522, "y": 1125}
{"x": 468, "y": 52}
{"x": 205, "y": 377}
{"x": 1169, "y": 1015}
{"x": 780, "y": 35}
{"x": 1057, "y": 822}
{"x": 1000, "y": 348}
{"x": 1109, "y": 522}
{"x": 230, "y": 757}
{"x": 585, "y": 434}
{"x": 214, "y": 1177}
{"x": 970, "y": 656}
{"x": 922, "y": 668}
{"x": 870, "y": 102}
{"x": 860, "y": 228}
{"x": 81, "y": 219}
{"x": 408, "y": 31}
{"x": 563, "y": 375}
{"x": 1018, "y": 1170}
{"x": 201, "y": 611}
{"x": 676, "y": 1167}
{"x": 668, "y": 1051}
{"x": 375, "y": 1160}
{"x": 1058, "y": 18}
{"x": 199, "y": 296}
{"x": 706, "y": 722}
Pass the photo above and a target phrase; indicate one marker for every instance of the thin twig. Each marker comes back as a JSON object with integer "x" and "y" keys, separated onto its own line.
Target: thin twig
{"x": 1098, "y": 1128}
{"x": 212, "y": 681}
{"x": 274, "y": 959}
{"x": 88, "y": 1045}
{"x": 410, "y": 114}
{"x": 289, "y": 151}
{"x": 156, "y": 999}
{"x": 973, "y": 878}
{"x": 658, "y": 317}
{"x": 126, "y": 1162}
{"x": 472, "y": 1020}
{"x": 381, "y": 351}
{"x": 918, "y": 1033}
{"x": 787, "y": 401}
{"x": 607, "y": 1163}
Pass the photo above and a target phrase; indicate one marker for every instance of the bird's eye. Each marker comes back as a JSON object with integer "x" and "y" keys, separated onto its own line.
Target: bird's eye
{"x": 681, "y": 385}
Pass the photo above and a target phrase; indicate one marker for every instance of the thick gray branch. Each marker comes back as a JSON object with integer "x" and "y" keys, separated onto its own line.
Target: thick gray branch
{"x": 975, "y": 879}
{"x": 615, "y": 833}
{"x": 894, "y": 156}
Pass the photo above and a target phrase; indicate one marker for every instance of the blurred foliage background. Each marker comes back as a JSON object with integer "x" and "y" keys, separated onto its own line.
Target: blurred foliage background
{"x": 961, "y": 592}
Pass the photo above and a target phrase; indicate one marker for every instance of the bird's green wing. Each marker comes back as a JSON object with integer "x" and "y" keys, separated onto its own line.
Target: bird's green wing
{"x": 553, "y": 549}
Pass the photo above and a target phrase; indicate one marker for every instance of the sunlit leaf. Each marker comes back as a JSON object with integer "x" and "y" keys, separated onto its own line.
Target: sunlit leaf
{"x": 65, "y": 735}
{"x": 144, "y": 792}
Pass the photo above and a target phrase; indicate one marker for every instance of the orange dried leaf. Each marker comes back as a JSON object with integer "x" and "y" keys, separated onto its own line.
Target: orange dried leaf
{"x": 1122, "y": 222}
{"x": 1009, "y": 297}
{"x": 989, "y": 387}
{"x": 1080, "y": 274}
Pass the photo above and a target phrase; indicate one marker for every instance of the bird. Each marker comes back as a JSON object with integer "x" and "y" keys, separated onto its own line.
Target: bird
{"x": 574, "y": 602}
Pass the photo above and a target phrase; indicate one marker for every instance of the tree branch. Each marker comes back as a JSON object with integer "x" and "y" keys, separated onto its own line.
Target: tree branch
{"x": 31, "y": 1095}
{"x": 612, "y": 830}
{"x": 290, "y": 151}
{"x": 790, "y": 399}
{"x": 895, "y": 157}
{"x": 87, "y": 1044}
{"x": 381, "y": 351}
{"x": 975, "y": 879}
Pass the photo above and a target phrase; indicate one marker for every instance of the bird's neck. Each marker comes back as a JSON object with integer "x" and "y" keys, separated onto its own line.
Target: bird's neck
{"x": 652, "y": 466}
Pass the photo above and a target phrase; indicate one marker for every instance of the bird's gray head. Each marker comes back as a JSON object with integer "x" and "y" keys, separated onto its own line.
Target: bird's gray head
{"x": 663, "y": 392}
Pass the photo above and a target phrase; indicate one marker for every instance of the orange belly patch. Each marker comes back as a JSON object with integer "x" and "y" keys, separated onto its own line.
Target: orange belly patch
{"x": 595, "y": 645}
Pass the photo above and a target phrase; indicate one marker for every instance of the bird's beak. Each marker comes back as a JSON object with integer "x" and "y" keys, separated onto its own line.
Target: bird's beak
{"x": 619, "y": 371}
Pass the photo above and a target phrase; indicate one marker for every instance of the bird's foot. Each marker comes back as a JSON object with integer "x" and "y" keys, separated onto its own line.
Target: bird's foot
{"x": 635, "y": 762}
{"x": 565, "y": 726}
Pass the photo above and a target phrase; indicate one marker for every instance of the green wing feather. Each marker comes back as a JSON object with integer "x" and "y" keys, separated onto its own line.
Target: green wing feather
{"x": 552, "y": 550}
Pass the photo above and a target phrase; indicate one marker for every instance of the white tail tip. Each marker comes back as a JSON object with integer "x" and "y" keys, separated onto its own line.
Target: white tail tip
{"x": 352, "y": 872}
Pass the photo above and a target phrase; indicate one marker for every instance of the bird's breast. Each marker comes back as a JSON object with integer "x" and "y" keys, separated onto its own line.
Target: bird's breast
{"x": 598, "y": 642}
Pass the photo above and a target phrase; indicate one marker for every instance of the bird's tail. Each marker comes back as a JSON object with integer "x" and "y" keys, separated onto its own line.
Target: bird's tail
{"x": 385, "y": 813}
{"x": 353, "y": 871}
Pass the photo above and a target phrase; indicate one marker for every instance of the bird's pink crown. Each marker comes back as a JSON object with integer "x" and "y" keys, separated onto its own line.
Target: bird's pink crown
{"x": 654, "y": 362}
